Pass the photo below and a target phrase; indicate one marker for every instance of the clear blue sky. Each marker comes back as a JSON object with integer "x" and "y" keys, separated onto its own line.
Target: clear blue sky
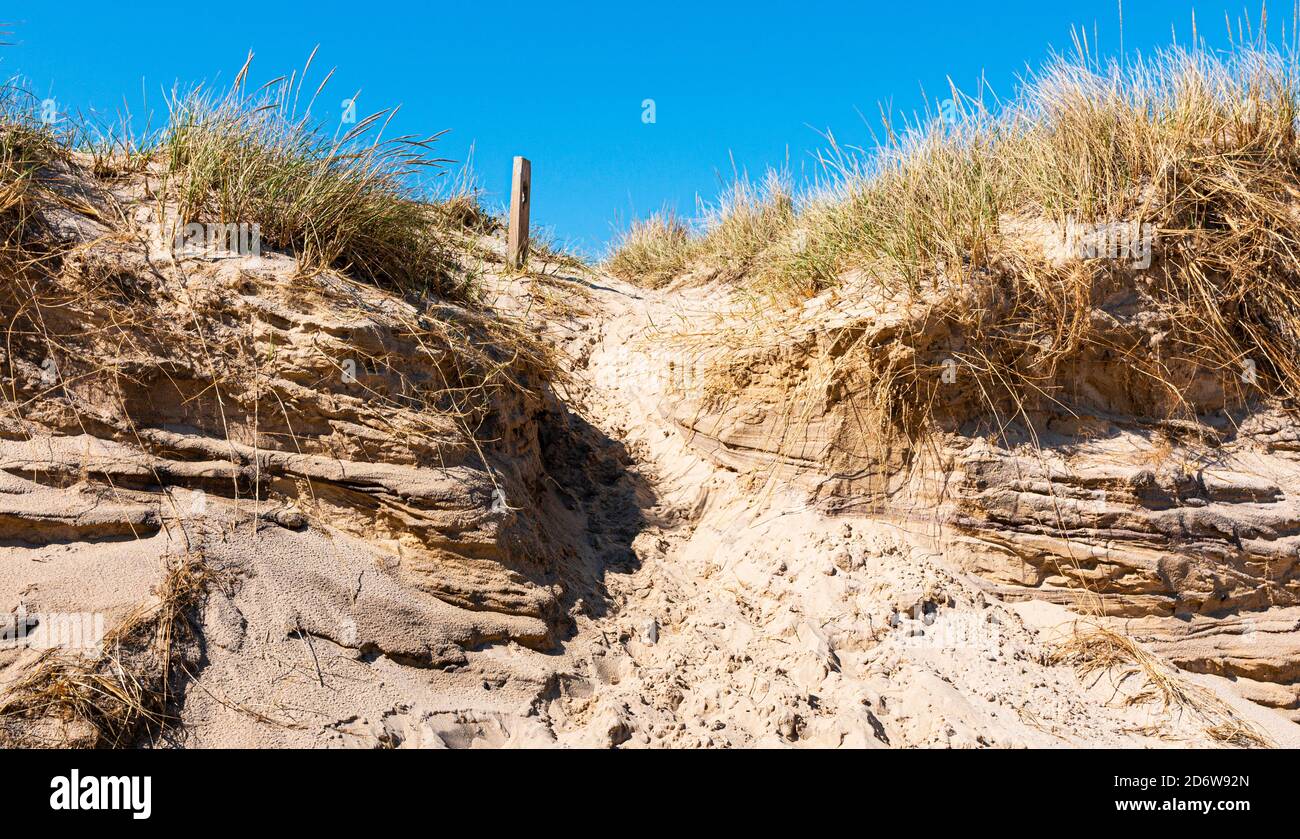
{"x": 563, "y": 82}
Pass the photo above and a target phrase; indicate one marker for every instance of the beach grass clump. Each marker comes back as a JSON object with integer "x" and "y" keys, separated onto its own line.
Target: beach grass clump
{"x": 652, "y": 251}
{"x": 350, "y": 201}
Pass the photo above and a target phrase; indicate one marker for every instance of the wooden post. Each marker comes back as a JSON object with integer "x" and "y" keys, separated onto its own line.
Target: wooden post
{"x": 520, "y": 197}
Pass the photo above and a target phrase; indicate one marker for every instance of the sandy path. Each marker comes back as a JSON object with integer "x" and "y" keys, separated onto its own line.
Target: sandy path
{"x": 754, "y": 619}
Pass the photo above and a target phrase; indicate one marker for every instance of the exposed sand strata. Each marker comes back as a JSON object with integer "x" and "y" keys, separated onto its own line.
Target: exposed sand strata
{"x": 1192, "y": 527}
{"x": 757, "y": 617}
{"x": 243, "y": 380}
{"x": 636, "y": 564}
{"x": 353, "y": 466}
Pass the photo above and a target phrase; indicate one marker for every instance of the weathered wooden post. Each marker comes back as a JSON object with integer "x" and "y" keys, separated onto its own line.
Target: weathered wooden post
{"x": 520, "y": 197}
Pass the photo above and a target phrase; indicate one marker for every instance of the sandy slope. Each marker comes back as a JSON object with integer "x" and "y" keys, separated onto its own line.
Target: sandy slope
{"x": 598, "y": 571}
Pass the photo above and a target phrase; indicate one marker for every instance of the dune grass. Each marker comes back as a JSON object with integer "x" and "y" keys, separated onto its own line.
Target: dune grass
{"x": 1197, "y": 148}
{"x": 652, "y": 251}
{"x": 27, "y": 145}
{"x": 346, "y": 201}
{"x": 746, "y": 220}
{"x": 352, "y": 203}
{"x": 377, "y": 208}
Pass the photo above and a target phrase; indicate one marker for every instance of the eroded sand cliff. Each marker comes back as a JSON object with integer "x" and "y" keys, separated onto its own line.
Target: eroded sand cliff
{"x": 651, "y": 519}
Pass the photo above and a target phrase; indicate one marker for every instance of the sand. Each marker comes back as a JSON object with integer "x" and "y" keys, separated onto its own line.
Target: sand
{"x": 635, "y": 559}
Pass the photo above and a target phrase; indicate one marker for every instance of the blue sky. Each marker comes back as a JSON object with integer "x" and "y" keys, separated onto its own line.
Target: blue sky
{"x": 563, "y": 82}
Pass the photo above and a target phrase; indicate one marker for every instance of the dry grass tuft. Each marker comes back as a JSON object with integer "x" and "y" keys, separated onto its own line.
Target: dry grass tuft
{"x": 747, "y": 220}
{"x": 652, "y": 251}
{"x": 346, "y": 201}
{"x": 27, "y": 147}
{"x": 1096, "y": 651}
{"x": 111, "y": 700}
{"x": 740, "y": 230}
{"x": 464, "y": 212}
